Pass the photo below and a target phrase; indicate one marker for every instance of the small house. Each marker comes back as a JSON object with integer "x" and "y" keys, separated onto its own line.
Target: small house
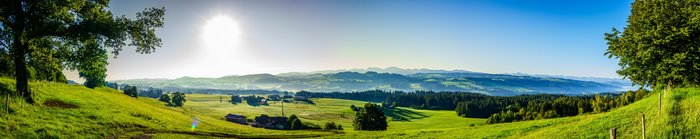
{"x": 268, "y": 122}
{"x": 240, "y": 119}
{"x": 274, "y": 97}
{"x": 302, "y": 98}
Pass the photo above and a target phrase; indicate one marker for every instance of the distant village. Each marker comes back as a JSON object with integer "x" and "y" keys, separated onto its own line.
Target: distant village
{"x": 263, "y": 121}
{"x": 266, "y": 121}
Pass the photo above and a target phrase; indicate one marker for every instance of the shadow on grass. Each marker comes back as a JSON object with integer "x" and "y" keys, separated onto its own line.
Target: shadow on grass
{"x": 401, "y": 114}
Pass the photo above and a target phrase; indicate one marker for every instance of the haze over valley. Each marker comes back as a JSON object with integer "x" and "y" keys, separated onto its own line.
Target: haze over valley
{"x": 392, "y": 79}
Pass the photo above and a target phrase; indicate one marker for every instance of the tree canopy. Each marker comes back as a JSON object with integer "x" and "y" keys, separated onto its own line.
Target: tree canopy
{"x": 178, "y": 99}
{"x": 370, "y": 117}
{"x": 660, "y": 45}
{"x": 43, "y": 37}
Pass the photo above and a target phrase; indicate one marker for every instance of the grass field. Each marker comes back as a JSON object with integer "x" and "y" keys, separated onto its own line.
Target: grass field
{"x": 326, "y": 109}
{"x": 68, "y": 111}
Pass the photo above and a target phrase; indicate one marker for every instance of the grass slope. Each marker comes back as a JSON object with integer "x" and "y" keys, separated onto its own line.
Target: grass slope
{"x": 679, "y": 118}
{"x": 327, "y": 109}
{"x": 71, "y": 111}
{"x": 67, "y": 111}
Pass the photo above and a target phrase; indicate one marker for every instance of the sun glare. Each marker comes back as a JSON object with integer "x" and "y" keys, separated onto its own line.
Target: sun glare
{"x": 221, "y": 31}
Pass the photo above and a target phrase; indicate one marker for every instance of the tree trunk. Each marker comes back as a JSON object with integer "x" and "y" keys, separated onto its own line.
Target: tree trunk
{"x": 20, "y": 51}
{"x": 21, "y": 73}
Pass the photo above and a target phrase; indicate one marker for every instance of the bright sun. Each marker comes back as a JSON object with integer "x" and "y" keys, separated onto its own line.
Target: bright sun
{"x": 221, "y": 31}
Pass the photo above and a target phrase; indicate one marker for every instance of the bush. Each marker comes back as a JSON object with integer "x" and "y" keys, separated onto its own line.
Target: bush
{"x": 307, "y": 125}
{"x": 131, "y": 91}
{"x": 165, "y": 98}
{"x": 296, "y": 124}
{"x": 332, "y": 126}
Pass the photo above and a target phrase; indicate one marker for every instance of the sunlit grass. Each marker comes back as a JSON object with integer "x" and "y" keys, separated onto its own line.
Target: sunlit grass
{"x": 105, "y": 112}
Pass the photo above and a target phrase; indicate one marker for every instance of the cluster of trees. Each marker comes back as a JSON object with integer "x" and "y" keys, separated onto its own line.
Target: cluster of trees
{"x": 294, "y": 123}
{"x": 151, "y": 92}
{"x": 332, "y": 126}
{"x": 165, "y": 98}
{"x": 562, "y": 106}
{"x": 500, "y": 108}
{"x": 131, "y": 91}
{"x": 177, "y": 99}
{"x": 370, "y": 95}
{"x": 235, "y": 99}
{"x": 255, "y": 100}
{"x": 370, "y": 117}
{"x": 39, "y": 39}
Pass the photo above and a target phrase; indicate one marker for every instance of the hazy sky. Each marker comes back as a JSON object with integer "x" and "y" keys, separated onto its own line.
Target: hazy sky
{"x": 218, "y": 38}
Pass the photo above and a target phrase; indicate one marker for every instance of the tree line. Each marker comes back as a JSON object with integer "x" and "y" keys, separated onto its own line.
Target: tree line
{"x": 560, "y": 107}
{"x": 496, "y": 108}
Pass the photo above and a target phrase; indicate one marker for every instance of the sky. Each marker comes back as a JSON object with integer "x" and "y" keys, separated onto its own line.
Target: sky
{"x": 210, "y": 38}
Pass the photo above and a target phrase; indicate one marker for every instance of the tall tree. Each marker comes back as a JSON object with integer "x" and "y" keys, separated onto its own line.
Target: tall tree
{"x": 370, "y": 117}
{"x": 660, "y": 46}
{"x": 178, "y": 99}
{"x": 84, "y": 29}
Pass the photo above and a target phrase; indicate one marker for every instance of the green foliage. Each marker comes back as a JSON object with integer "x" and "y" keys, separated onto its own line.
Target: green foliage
{"x": 370, "y": 117}
{"x": 255, "y": 100}
{"x": 178, "y": 99}
{"x": 564, "y": 106}
{"x": 165, "y": 98}
{"x": 659, "y": 46}
{"x": 296, "y": 124}
{"x": 92, "y": 64}
{"x": 75, "y": 34}
{"x": 131, "y": 91}
{"x": 235, "y": 99}
{"x": 332, "y": 126}
{"x": 45, "y": 61}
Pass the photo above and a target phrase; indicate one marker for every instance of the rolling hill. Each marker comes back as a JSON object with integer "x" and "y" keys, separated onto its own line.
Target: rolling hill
{"x": 72, "y": 111}
{"x": 348, "y": 81}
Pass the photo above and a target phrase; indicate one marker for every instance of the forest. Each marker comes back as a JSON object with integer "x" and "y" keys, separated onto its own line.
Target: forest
{"x": 497, "y": 109}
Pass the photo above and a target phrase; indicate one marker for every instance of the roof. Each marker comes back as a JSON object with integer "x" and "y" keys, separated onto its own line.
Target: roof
{"x": 235, "y": 116}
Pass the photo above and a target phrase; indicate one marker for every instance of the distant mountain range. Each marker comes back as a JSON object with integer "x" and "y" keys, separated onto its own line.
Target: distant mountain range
{"x": 393, "y": 78}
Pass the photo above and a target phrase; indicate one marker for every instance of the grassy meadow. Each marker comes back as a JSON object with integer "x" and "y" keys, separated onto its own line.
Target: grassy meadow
{"x": 73, "y": 111}
{"x": 327, "y": 109}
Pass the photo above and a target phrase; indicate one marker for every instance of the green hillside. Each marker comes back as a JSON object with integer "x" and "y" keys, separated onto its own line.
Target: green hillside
{"x": 335, "y": 110}
{"x": 70, "y": 111}
{"x": 679, "y": 118}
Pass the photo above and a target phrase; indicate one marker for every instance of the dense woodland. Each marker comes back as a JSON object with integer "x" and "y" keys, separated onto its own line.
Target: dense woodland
{"x": 497, "y": 108}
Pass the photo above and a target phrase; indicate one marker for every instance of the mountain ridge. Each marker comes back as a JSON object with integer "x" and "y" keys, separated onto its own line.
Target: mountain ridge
{"x": 391, "y": 78}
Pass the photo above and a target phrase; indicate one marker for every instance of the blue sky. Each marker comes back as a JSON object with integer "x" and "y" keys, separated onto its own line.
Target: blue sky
{"x": 493, "y": 36}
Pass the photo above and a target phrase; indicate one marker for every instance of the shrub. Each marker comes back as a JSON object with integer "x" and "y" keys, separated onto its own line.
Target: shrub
{"x": 332, "y": 126}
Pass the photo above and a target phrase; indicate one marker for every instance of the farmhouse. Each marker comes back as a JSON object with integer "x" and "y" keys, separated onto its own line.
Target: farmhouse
{"x": 240, "y": 119}
{"x": 274, "y": 97}
{"x": 301, "y": 98}
{"x": 268, "y": 122}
